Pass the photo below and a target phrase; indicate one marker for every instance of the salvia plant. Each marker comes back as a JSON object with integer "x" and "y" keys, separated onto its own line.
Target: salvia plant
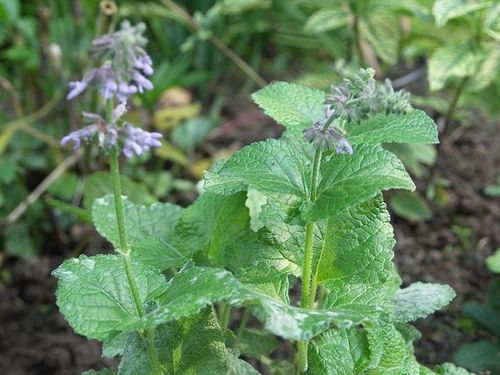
{"x": 214, "y": 287}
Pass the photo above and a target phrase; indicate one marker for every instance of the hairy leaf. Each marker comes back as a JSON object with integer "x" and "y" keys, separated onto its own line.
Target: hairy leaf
{"x": 191, "y": 345}
{"x": 94, "y": 296}
{"x": 412, "y": 127}
{"x": 194, "y": 288}
{"x": 150, "y": 230}
{"x": 271, "y": 166}
{"x": 382, "y": 31}
{"x": 339, "y": 352}
{"x": 212, "y": 222}
{"x": 349, "y": 180}
{"x": 327, "y": 19}
{"x": 421, "y": 299}
{"x": 294, "y": 106}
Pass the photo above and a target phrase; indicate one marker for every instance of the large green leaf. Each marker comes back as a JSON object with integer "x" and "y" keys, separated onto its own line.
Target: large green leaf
{"x": 327, "y": 19}
{"x": 193, "y": 288}
{"x": 191, "y": 345}
{"x": 349, "y": 180}
{"x": 421, "y": 299}
{"x": 94, "y": 296}
{"x": 412, "y": 127}
{"x": 212, "y": 222}
{"x": 271, "y": 166}
{"x": 445, "y": 10}
{"x": 357, "y": 246}
{"x": 294, "y": 106}
{"x": 150, "y": 230}
{"x": 452, "y": 62}
{"x": 382, "y": 31}
{"x": 339, "y": 352}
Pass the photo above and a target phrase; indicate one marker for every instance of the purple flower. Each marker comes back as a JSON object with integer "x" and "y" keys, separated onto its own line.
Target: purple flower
{"x": 145, "y": 64}
{"x": 76, "y": 88}
{"x": 344, "y": 147}
{"x": 142, "y": 82}
{"x": 138, "y": 141}
{"x": 79, "y": 136}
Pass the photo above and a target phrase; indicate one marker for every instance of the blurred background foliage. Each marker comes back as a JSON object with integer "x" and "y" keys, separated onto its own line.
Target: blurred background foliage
{"x": 209, "y": 56}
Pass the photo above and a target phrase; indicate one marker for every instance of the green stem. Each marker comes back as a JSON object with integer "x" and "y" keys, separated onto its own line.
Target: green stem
{"x": 243, "y": 323}
{"x": 454, "y": 100}
{"x": 148, "y": 335}
{"x": 308, "y": 258}
{"x": 224, "y": 315}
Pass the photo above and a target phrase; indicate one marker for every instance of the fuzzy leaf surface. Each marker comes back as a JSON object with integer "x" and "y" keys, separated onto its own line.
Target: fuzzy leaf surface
{"x": 191, "y": 345}
{"x": 212, "y": 222}
{"x": 412, "y": 127}
{"x": 94, "y": 296}
{"x": 195, "y": 288}
{"x": 150, "y": 230}
{"x": 421, "y": 299}
{"x": 294, "y": 106}
{"x": 339, "y": 352}
{"x": 271, "y": 166}
{"x": 349, "y": 180}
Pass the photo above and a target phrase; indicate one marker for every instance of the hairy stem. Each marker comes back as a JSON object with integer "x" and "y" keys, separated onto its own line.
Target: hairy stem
{"x": 306, "y": 290}
{"x": 148, "y": 335}
{"x": 224, "y": 315}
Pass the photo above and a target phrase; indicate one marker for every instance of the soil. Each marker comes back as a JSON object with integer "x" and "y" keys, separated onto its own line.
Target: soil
{"x": 35, "y": 339}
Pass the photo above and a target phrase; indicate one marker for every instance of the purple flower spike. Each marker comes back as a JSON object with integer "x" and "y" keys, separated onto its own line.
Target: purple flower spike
{"x": 138, "y": 141}
{"x": 79, "y": 136}
{"x": 76, "y": 88}
{"x": 145, "y": 64}
{"x": 142, "y": 82}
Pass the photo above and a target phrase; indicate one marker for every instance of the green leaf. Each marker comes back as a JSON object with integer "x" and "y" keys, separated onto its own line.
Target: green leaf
{"x": 326, "y": 19}
{"x": 349, "y": 180}
{"x": 414, "y": 156}
{"x": 193, "y": 288}
{"x": 485, "y": 316}
{"x": 343, "y": 352}
{"x": 488, "y": 70}
{"x": 451, "y": 62}
{"x": 479, "y": 356}
{"x": 150, "y": 230}
{"x": 271, "y": 166}
{"x": 493, "y": 262}
{"x": 357, "y": 246}
{"x": 410, "y": 206}
{"x": 94, "y": 296}
{"x": 294, "y": 106}
{"x": 211, "y": 223}
{"x": 421, "y": 299}
{"x": 412, "y": 127}
{"x": 382, "y": 31}
{"x": 255, "y": 343}
{"x": 100, "y": 184}
{"x": 450, "y": 369}
{"x": 445, "y": 10}
{"x": 192, "y": 132}
{"x": 191, "y": 345}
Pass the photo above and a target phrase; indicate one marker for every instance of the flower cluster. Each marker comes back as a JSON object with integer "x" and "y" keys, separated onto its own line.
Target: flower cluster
{"x": 361, "y": 97}
{"x": 134, "y": 141}
{"x": 329, "y": 136}
{"x": 123, "y": 73}
{"x": 126, "y": 65}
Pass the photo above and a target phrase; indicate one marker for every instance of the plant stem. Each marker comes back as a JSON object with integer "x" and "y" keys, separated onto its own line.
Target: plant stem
{"x": 243, "y": 323}
{"x": 224, "y": 315}
{"x": 148, "y": 335}
{"x": 454, "y": 100}
{"x": 306, "y": 290}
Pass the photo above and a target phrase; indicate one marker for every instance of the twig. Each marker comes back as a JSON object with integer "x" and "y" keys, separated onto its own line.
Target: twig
{"x": 219, "y": 44}
{"x": 40, "y": 189}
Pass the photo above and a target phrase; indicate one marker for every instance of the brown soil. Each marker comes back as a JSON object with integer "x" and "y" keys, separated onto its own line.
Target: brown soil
{"x": 35, "y": 339}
